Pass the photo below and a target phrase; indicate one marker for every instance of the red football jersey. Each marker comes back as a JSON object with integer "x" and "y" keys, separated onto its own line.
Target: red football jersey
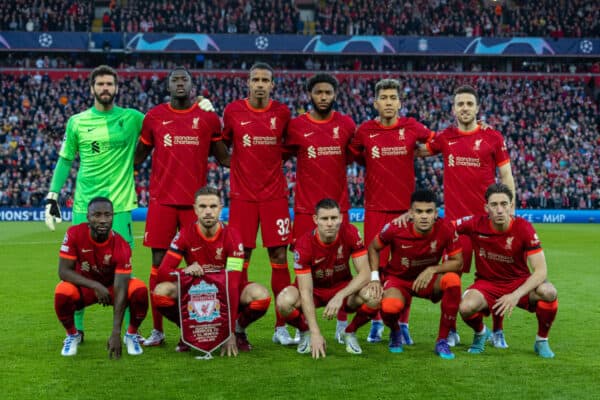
{"x": 470, "y": 161}
{"x": 328, "y": 263}
{"x": 500, "y": 256}
{"x": 97, "y": 261}
{"x": 210, "y": 253}
{"x": 321, "y": 150}
{"x": 256, "y": 159}
{"x": 181, "y": 141}
{"x": 389, "y": 160}
{"x": 412, "y": 252}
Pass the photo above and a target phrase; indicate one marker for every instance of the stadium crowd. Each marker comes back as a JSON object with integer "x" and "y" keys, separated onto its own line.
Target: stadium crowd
{"x": 546, "y": 18}
{"x": 550, "y": 126}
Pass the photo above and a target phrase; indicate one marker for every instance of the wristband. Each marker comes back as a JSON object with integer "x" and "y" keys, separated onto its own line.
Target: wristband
{"x": 374, "y": 275}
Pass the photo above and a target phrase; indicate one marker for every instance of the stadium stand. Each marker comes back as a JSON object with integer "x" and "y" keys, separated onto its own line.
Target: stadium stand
{"x": 550, "y": 124}
{"x": 545, "y": 18}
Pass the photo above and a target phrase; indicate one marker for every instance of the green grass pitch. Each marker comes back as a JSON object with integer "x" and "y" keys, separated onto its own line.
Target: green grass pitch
{"x": 32, "y": 338}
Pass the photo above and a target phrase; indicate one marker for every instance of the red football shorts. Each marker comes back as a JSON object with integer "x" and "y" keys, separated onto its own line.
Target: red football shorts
{"x": 163, "y": 221}
{"x": 273, "y": 217}
{"x": 304, "y": 223}
{"x": 374, "y": 223}
{"x": 492, "y": 291}
{"x": 405, "y": 287}
{"x": 321, "y": 296}
{"x": 88, "y": 296}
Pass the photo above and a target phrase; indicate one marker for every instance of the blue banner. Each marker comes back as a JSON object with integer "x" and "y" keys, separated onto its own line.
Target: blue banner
{"x": 355, "y": 214}
{"x": 299, "y": 44}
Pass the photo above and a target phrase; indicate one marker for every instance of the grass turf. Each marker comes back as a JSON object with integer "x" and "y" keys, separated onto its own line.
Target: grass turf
{"x": 33, "y": 367}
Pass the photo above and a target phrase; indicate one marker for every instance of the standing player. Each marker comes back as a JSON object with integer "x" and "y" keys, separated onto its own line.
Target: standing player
{"x": 95, "y": 267}
{"x": 504, "y": 246}
{"x": 182, "y": 135}
{"x": 255, "y": 127}
{"x": 472, "y": 154}
{"x": 320, "y": 139}
{"x": 208, "y": 246}
{"x": 415, "y": 269}
{"x": 324, "y": 279}
{"x": 105, "y": 137}
{"x": 388, "y": 146}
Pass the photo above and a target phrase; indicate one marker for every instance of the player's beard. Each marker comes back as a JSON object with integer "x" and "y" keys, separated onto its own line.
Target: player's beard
{"x": 320, "y": 111}
{"x": 105, "y": 101}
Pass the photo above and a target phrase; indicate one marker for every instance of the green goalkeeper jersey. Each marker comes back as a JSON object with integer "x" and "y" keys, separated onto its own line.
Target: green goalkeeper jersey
{"x": 106, "y": 142}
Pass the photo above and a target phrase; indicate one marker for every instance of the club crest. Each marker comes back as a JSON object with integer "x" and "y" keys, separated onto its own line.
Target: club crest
{"x": 204, "y": 305}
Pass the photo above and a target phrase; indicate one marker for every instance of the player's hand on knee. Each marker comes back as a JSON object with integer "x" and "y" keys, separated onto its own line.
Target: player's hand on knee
{"x": 52, "y": 212}
{"x": 114, "y": 345}
{"x": 205, "y": 104}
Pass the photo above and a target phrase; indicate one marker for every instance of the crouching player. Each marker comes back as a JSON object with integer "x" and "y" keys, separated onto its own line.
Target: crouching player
{"x": 324, "y": 279}
{"x": 504, "y": 245}
{"x": 95, "y": 267}
{"x": 210, "y": 246}
{"x": 415, "y": 269}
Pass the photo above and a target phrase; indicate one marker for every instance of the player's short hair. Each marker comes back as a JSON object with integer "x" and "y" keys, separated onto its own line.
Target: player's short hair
{"x": 99, "y": 199}
{"x": 423, "y": 196}
{"x": 467, "y": 89}
{"x": 498, "y": 188}
{"x": 326, "y": 204}
{"x": 385, "y": 84}
{"x": 178, "y": 68}
{"x": 261, "y": 65}
{"x": 322, "y": 78}
{"x": 102, "y": 70}
{"x": 207, "y": 191}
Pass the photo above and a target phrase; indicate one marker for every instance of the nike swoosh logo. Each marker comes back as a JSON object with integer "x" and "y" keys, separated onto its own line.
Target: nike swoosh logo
{"x": 406, "y": 247}
{"x": 451, "y": 143}
{"x": 195, "y": 248}
{"x": 308, "y": 134}
{"x": 244, "y": 123}
{"x": 483, "y": 236}
{"x": 86, "y": 250}
{"x": 283, "y": 239}
{"x": 318, "y": 260}
{"x": 167, "y": 122}
{"x": 373, "y": 135}
{"x": 90, "y": 129}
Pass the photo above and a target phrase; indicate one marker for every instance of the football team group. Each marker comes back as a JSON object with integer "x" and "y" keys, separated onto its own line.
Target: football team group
{"x": 407, "y": 251}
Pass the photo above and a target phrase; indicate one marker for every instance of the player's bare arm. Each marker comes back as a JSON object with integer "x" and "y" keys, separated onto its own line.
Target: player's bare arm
{"x": 507, "y": 178}
{"x": 317, "y": 341}
{"x": 507, "y": 303}
{"x": 219, "y": 150}
{"x": 120, "y": 292}
{"x": 66, "y": 272}
{"x": 452, "y": 264}
{"x": 142, "y": 150}
{"x": 374, "y": 286}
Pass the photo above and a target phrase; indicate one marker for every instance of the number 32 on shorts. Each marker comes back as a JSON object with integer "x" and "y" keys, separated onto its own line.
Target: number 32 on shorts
{"x": 283, "y": 227}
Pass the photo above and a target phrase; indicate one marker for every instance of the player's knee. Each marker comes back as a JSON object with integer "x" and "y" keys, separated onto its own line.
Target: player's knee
{"x": 167, "y": 289}
{"x": 68, "y": 290}
{"x": 547, "y": 292}
{"x": 391, "y": 305}
{"x": 369, "y": 299}
{"x": 450, "y": 279}
{"x": 136, "y": 285}
{"x": 286, "y": 300}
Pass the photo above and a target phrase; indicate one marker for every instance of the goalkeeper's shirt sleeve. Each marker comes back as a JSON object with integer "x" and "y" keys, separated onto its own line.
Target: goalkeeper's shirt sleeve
{"x": 61, "y": 173}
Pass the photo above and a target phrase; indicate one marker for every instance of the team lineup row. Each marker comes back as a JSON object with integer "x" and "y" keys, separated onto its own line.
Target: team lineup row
{"x": 260, "y": 134}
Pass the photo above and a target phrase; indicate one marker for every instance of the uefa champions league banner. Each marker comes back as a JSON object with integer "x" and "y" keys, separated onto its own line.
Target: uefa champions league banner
{"x": 355, "y": 214}
{"x": 297, "y": 44}
{"x": 205, "y": 315}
